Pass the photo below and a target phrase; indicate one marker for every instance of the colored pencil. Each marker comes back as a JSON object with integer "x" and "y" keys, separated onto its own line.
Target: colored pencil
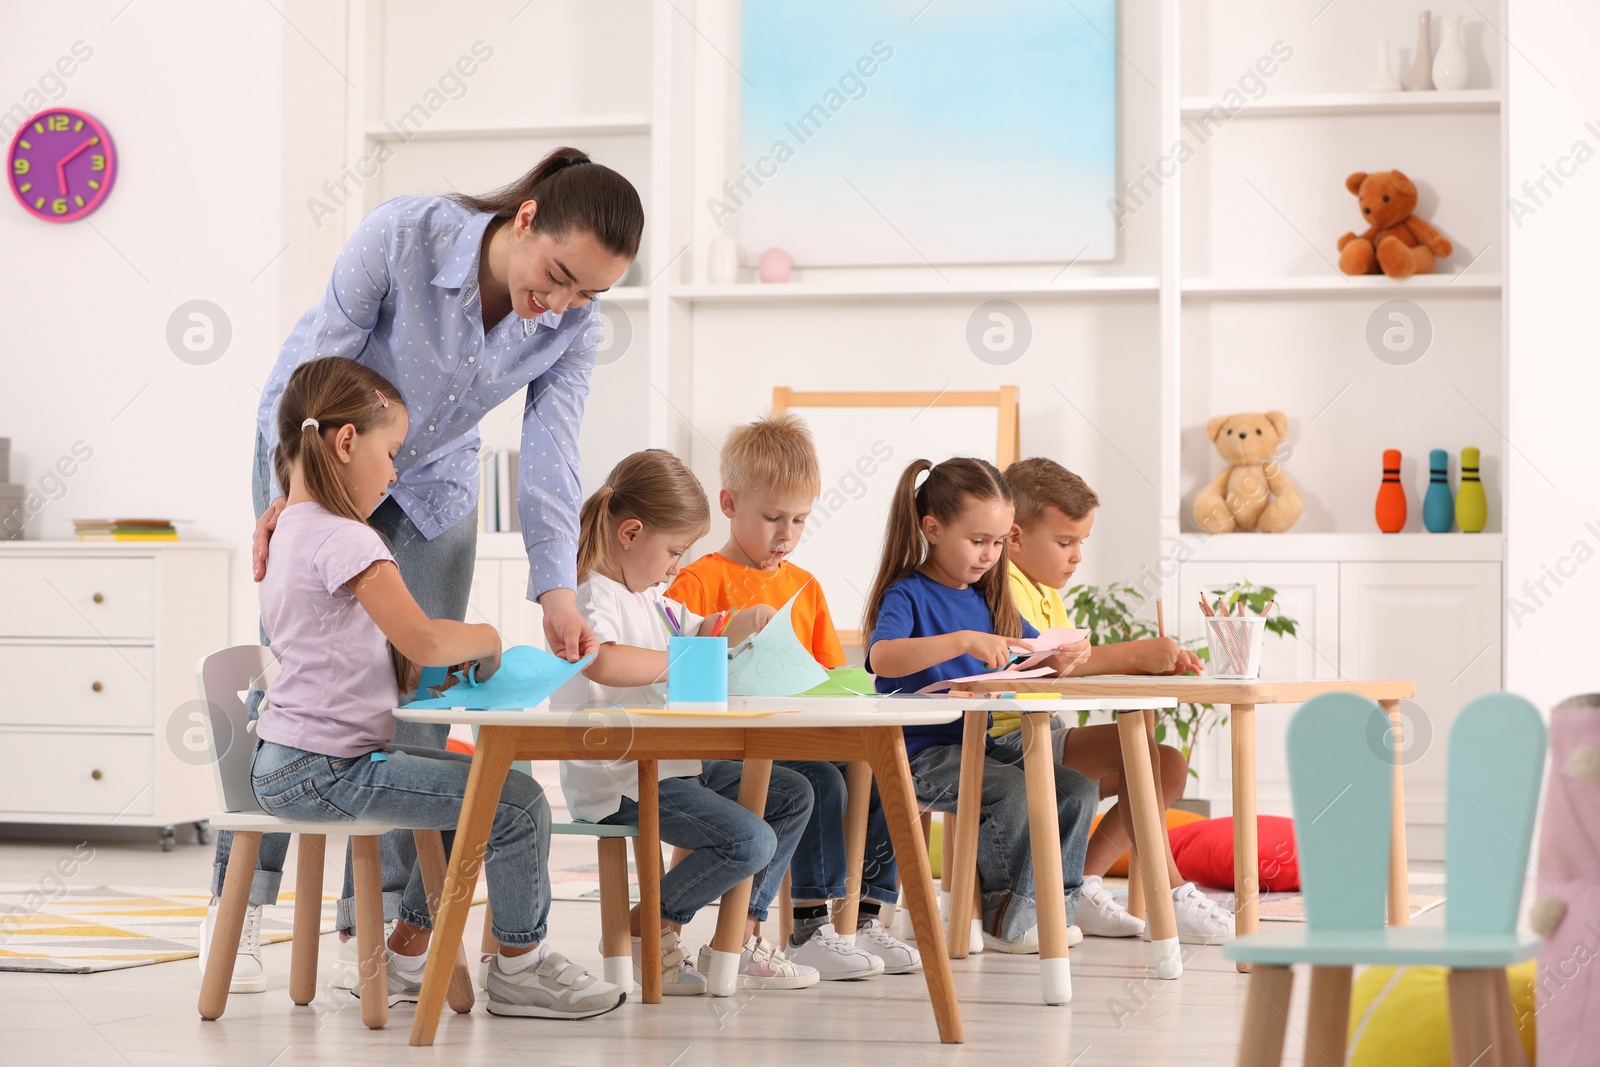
{"x": 672, "y": 617}
{"x": 666, "y": 619}
{"x": 1161, "y": 619}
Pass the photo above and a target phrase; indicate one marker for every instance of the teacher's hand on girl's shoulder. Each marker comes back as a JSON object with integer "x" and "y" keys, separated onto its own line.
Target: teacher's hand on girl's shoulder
{"x": 264, "y": 527}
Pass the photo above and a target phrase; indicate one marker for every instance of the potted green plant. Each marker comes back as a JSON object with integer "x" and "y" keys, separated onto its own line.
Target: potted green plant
{"x": 1108, "y": 612}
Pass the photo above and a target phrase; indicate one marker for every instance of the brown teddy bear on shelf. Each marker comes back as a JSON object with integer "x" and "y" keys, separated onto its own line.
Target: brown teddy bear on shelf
{"x": 1253, "y": 494}
{"x": 1396, "y": 243}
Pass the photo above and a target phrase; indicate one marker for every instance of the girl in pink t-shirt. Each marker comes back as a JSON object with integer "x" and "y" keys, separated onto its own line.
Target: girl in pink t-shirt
{"x": 346, "y": 632}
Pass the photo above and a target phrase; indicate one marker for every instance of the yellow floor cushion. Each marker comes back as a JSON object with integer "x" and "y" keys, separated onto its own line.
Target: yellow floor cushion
{"x": 1401, "y": 1015}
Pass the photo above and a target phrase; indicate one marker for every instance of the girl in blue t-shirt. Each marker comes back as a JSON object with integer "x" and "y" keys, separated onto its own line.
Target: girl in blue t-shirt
{"x": 941, "y": 608}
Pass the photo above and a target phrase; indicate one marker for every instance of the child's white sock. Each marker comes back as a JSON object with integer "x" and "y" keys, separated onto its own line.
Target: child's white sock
{"x": 518, "y": 964}
{"x": 410, "y": 966}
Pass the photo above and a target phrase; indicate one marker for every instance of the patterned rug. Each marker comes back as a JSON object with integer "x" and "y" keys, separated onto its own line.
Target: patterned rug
{"x": 105, "y": 929}
{"x": 1291, "y": 907}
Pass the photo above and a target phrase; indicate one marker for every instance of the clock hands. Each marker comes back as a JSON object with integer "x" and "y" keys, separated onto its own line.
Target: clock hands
{"x": 61, "y": 165}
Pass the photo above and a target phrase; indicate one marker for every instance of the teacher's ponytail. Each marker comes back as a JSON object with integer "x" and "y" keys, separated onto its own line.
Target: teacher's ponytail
{"x": 574, "y": 193}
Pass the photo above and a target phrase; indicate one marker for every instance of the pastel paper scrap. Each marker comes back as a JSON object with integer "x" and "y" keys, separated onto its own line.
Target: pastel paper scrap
{"x": 775, "y": 664}
{"x": 993, "y": 676}
{"x": 526, "y": 678}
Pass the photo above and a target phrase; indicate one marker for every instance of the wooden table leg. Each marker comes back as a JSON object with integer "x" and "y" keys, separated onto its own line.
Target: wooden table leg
{"x": 1044, "y": 833}
{"x": 1399, "y": 877}
{"x": 430, "y": 858}
{"x": 307, "y": 918}
{"x": 960, "y": 856}
{"x": 1136, "y": 906}
{"x": 490, "y": 764}
{"x": 647, "y": 860}
{"x": 1246, "y": 864}
{"x": 735, "y": 909}
{"x": 858, "y": 794}
{"x": 886, "y": 747}
{"x": 1149, "y": 834}
{"x": 1328, "y": 1020}
{"x": 1266, "y": 1017}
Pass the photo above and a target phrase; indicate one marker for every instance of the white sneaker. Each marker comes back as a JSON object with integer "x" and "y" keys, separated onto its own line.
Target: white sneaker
{"x": 249, "y": 976}
{"x": 554, "y": 988}
{"x": 404, "y": 987}
{"x": 835, "y": 959}
{"x": 346, "y": 967}
{"x": 1201, "y": 920}
{"x": 897, "y": 956}
{"x": 763, "y": 967}
{"x": 678, "y": 976}
{"x": 1101, "y": 916}
{"x": 1028, "y": 943}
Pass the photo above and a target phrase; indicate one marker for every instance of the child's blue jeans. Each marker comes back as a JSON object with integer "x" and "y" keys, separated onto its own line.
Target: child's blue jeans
{"x": 819, "y": 861}
{"x": 728, "y": 843}
{"x": 1005, "y": 856}
{"x": 422, "y": 789}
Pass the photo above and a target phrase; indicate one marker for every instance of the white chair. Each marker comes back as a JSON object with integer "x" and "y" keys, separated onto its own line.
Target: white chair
{"x": 224, "y": 677}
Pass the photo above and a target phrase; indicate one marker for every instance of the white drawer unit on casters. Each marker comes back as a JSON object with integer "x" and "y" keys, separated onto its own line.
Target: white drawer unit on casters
{"x": 98, "y": 645}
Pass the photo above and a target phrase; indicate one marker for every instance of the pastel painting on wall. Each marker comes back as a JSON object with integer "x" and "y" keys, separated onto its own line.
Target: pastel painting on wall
{"x": 884, "y": 132}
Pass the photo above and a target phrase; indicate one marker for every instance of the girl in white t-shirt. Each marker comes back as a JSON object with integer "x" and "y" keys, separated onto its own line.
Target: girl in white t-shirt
{"x": 634, "y": 531}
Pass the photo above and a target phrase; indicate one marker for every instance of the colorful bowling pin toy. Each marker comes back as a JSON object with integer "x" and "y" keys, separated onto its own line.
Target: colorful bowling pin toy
{"x": 1472, "y": 509}
{"x": 1391, "y": 508}
{"x": 1438, "y": 509}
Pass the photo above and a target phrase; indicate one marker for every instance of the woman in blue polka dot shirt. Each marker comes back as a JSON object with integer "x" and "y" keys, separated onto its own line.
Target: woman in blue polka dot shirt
{"x": 462, "y": 302}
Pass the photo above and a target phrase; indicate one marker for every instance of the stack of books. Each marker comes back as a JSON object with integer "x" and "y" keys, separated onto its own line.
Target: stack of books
{"x": 125, "y": 529}
{"x": 497, "y": 491}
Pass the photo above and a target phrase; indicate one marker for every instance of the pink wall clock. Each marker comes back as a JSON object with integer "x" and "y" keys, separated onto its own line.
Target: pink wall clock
{"x": 61, "y": 164}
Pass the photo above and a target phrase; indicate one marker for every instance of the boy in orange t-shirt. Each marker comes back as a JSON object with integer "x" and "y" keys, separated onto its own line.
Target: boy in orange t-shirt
{"x": 770, "y": 479}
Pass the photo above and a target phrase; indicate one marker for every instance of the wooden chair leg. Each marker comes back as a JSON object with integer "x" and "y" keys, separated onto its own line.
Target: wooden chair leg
{"x": 230, "y": 923}
{"x": 616, "y": 947}
{"x": 431, "y": 858}
{"x": 307, "y": 919}
{"x": 1472, "y": 1014}
{"x": 372, "y": 972}
{"x": 1505, "y": 1021}
{"x": 785, "y": 909}
{"x": 1328, "y": 1021}
{"x": 858, "y": 800}
{"x": 1266, "y": 1017}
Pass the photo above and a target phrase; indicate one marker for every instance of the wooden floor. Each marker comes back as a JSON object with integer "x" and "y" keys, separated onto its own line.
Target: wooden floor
{"x": 146, "y": 1015}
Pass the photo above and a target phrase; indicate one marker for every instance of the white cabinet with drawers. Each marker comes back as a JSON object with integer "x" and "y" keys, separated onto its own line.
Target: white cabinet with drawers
{"x": 98, "y": 646}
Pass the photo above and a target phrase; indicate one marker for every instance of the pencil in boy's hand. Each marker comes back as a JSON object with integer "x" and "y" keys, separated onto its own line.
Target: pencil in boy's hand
{"x": 723, "y": 623}
{"x": 1161, "y": 619}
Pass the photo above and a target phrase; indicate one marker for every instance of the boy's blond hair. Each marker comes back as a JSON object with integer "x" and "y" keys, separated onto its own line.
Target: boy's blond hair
{"x": 776, "y": 454}
{"x": 1040, "y": 483}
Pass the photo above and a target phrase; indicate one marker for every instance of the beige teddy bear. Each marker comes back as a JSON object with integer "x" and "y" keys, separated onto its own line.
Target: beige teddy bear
{"x": 1253, "y": 493}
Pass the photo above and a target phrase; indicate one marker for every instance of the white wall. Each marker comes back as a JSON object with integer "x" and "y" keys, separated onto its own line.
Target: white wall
{"x": 1553, "y": 490}
{"x": 192, "y": 94}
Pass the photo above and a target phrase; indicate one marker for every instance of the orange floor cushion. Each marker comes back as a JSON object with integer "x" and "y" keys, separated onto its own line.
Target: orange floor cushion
{"x": 1175, "y": 818}
{"x": 457, "y": 745}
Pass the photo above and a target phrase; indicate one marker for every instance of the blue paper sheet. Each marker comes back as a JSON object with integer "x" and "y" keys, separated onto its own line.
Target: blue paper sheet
{"x": 527, "y": 676}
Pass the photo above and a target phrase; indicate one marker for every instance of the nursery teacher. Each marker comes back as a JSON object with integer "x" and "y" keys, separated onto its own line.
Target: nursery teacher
{"x": 461, "y": 301}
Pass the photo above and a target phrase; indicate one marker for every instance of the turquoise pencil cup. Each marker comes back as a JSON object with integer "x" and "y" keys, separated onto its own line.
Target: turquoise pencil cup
{"x": 697, "y": 673}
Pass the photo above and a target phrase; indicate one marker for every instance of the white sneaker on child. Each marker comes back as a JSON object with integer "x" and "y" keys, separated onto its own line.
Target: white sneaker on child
{"x": 249, "y": 975}
{"x": 1028, "y": 943}
{"x": 346, "y": 967}
{"x": 1201, "y": 920}
{"x": 897, "y": 956}
{"x": 549, "y": 987}
{"x": 678, "y": 976}
{"x": 835, "y": 959}
{"x": 763, "y": 967}
{"x": 1101, "y": 916}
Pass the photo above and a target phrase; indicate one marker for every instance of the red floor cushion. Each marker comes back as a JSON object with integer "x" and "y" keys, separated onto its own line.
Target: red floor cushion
{"x": 1204, "y": 853}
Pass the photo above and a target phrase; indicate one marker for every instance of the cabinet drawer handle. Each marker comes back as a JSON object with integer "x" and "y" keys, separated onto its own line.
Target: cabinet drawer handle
{"x": 99, "y": 598}
{"x": 96, "y": 686}
{"x": 96, "y": 775}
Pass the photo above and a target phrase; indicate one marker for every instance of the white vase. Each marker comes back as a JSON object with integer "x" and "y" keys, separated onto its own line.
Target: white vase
{"x": 722, "y": 264}
{"x": 1450, "y": 65}
{"x": 1383, "y": 79}
{"x": 1420, "y": 76}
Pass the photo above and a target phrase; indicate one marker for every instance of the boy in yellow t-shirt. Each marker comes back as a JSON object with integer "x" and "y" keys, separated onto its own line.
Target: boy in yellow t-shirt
{"x": 770, "y": 479}
{"x": 1054, "y": 514}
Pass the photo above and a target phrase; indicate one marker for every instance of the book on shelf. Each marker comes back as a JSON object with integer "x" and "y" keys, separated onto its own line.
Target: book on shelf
{"x": 497, "y": 491}
{"x": 125, "y": 529}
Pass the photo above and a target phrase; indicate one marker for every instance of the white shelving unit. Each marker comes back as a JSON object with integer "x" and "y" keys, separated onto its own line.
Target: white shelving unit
{"x": 837, "y": 291}
{"x": 1362, "y": 103}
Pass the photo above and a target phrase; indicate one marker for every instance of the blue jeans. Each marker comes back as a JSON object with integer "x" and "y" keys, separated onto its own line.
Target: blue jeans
{"x": 1005, "y": 856}
{"x": 421, "y": 788}
{"x": 439, "y": 575}
{"x": 819, "y": 861}
{"x": 727, "y": 843}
